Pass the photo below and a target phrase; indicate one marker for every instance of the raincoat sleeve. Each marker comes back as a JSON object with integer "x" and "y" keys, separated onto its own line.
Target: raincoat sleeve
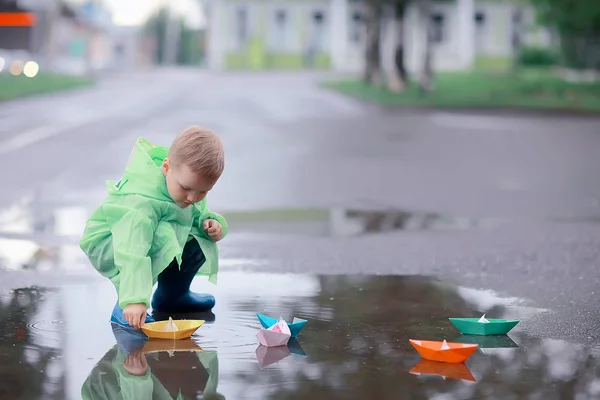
{"x": 132, "y": 231}
{"x": 203, "y": 215}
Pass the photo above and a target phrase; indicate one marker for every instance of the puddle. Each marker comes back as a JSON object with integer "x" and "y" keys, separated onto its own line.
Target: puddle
{"x": 58, "y": 344}
{"x": 36, "y": 234}
{"x": 349, "y": 222}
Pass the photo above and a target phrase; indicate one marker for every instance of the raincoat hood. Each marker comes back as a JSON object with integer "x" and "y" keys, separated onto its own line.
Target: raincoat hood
{"x": 143, "y": 174}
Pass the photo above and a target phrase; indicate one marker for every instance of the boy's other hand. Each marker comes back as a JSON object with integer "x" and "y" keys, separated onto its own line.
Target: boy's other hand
{"x": 135, "y": 314}
{"x": 214, "y": 229}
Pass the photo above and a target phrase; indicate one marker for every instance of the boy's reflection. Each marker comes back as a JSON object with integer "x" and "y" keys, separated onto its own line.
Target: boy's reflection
{"x": 136, "y": 368}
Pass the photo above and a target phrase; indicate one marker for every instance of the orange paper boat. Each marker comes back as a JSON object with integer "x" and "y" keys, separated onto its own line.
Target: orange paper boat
{"x": 443, "y": 351}
{"x": 444, "y": 369}
{"x": 187, "y": 327}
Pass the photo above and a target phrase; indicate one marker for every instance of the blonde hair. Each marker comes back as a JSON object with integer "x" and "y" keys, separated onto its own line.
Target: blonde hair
{"x": 201, "y": 150}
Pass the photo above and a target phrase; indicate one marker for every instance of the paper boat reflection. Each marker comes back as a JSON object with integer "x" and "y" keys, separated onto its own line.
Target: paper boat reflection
{"x": 270, "y": 355}
{"x": 187, "y": 327}
{"x": 156, "y": 346}
{"x": 443, "y": 369}
{"x": 443, "y": 351}
{"x": 295, "y": 348}
{"x": 473, "y": 326}
{"x": 488, "y": 342}
{"x": 295, "y": 327}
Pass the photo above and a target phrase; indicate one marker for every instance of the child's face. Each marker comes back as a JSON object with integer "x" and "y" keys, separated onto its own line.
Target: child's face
{"x": 185, "y": 186}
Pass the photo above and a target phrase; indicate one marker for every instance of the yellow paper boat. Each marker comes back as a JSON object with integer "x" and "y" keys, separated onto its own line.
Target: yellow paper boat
{"x": 187, "y": 327}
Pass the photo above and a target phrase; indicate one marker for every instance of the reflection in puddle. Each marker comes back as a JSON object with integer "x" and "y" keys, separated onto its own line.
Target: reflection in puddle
{"x": 355, "y": 345}
{"x": 41, "y": 237}
{"x": 488, "y": 342}
{"x": 445, "y": 370}
{"x": 144, "y": 369}
{"x": 348, "y": 222}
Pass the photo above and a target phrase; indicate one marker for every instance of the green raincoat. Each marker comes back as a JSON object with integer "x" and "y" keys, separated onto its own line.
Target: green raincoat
{"x": 110, "y": 380}
{"x": 138, "y": 230}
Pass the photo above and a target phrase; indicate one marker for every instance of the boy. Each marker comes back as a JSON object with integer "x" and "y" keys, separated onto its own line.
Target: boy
{"x": 154, "y": 226}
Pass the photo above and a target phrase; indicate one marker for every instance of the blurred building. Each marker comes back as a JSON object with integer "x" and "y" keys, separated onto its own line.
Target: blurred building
{"x": 69, "y": 36}
{"x": 330, "y": 34}
{"x": 132, "y": 48}
{"x": 15, "y": 37}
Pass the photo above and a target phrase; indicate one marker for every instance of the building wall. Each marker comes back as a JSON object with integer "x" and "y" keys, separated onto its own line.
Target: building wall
{"x": 275, "y": 34}
{"x": 495, "y": 24}
{"x": 283, "y": 34}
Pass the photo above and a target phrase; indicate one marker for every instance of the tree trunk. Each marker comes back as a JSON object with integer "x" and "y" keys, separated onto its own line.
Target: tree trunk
{"x": 426, "y": 79}
{"x": 373, "y": 74}
{"x": 398, "y": 79}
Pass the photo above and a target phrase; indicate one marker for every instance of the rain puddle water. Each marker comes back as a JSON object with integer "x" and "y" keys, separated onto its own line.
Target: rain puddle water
{"x": 58, "y": 344}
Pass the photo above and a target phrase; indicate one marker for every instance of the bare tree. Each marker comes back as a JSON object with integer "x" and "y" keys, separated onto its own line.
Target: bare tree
{"x": 426, "y": 78}
{"x": 517, "y": 34}
{"x": 373, "y": 71}
{"x": 398, "y": 79}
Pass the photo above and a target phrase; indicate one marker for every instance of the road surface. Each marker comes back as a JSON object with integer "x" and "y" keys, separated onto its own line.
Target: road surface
{"x": 442, "y": 212}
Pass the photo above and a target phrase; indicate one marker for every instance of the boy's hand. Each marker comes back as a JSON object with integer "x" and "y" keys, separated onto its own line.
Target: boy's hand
{"x": 135, "y": 314}
{"x": 214, "y": 229}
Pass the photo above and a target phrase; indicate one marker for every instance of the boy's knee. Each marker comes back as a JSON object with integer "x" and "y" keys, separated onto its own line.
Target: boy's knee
{"x": 193, "y": 252}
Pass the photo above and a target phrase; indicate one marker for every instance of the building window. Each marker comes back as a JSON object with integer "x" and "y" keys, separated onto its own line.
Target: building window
{"x": 356, "y": 27}
{"x": 318, "y": 31}
{"x": 480, "y": 18}
{"x": 280, "y": 29}
{"x": 242, "y": 26}
{"x": 480, "y": 31}
{"x": 438, "y": 28}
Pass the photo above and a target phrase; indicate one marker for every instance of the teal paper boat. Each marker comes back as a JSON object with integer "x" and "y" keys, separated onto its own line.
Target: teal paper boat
{"x": 473, "y": 326}
{"x": 295, "y": 327}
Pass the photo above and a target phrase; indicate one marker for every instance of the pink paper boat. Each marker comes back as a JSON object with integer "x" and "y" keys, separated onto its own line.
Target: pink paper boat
{"x": 277, "y": 335}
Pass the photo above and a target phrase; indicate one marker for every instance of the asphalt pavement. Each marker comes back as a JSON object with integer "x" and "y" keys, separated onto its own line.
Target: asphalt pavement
{"x": 500, "y": 204}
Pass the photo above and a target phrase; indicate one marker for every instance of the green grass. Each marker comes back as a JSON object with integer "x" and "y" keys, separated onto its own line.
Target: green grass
{"x": 484, "y": 89}
{"x": 274, "y": 61}
{"x": 493, "y": 63}
{"x": 12, "y": 87}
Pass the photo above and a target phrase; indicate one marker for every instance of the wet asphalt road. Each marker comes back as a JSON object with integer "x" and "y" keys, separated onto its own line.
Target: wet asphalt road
{"x": 317, "y": 184}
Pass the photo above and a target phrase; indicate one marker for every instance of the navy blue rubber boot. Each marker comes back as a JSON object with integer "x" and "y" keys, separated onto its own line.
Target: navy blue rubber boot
{"x": 118, "y": 318}
{"x": 173, "y": 294}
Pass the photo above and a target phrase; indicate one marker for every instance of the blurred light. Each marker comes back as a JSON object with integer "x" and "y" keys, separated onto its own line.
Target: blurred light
{"x": 31, "y": 69}
{"x": 2, "y": 64}
{"x": 16, "y": 68}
